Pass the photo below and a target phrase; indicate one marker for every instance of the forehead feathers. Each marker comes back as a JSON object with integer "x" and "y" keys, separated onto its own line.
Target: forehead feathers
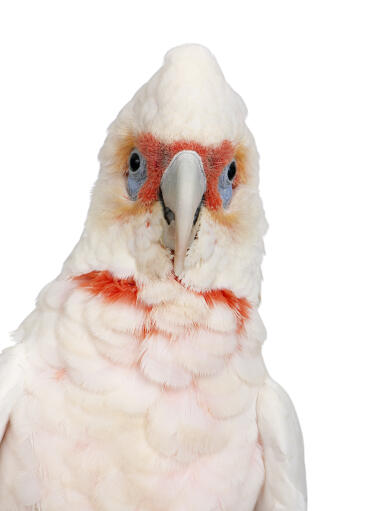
{"x": 187, "y": 98}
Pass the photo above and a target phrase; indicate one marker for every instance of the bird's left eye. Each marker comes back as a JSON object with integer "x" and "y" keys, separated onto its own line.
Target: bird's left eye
{"x": 225, "y": 183}
{"x": 232, "y": 170}
{"x": 137, "y": 173}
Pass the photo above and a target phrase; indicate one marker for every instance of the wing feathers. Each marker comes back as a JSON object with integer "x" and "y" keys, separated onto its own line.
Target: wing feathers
{"x": 12, "y": 362}
{"x": 285, "y": 484}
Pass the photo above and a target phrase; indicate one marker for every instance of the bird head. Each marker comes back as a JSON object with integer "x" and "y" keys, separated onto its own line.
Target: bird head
{"x": 177, "y": 193}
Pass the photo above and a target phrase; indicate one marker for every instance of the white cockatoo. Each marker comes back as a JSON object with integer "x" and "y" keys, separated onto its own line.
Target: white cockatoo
{"x": 137, "y": 383}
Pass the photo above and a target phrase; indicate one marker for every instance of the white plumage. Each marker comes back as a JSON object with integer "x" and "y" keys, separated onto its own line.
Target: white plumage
{"x": 131, "y": 388}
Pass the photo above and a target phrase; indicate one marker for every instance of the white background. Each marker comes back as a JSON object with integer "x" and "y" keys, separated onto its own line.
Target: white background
{"x": 309, "y": 72}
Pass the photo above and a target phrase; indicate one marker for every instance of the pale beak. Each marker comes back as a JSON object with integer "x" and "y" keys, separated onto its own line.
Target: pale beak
{"x": 182, "y": 188}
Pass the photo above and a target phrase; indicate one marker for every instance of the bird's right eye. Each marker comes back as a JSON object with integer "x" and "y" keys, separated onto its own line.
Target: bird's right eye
{"x": 137, "y": 173}
{"x": 134, "y": 162}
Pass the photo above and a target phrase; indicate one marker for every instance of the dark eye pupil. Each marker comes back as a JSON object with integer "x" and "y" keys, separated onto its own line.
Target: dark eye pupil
{"x": 134, "y": 162}
{"x": 232, "y": 170}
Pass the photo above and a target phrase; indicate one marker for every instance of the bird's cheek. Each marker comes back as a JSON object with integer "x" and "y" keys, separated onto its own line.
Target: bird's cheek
{"x": 169, "y": 235}
{"x": 212, "y": 198}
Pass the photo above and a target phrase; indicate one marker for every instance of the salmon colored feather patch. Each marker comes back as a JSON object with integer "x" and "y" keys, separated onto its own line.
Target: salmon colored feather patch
{"x": 240, "y": 306}
{"x": 104, "y": 284}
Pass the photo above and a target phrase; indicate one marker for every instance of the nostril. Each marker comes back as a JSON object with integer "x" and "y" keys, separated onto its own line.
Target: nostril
{"x": 168, "y": 213}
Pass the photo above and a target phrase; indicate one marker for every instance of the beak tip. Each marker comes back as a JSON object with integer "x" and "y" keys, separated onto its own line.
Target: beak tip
{"x": 178, "y": 268}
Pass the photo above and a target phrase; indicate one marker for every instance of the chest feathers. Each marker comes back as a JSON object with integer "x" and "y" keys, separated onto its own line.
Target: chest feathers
{"x": 142, "y": 402}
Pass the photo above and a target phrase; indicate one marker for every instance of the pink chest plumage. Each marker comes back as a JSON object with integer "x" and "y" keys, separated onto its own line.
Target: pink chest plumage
{"x": 144, "y": 408}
